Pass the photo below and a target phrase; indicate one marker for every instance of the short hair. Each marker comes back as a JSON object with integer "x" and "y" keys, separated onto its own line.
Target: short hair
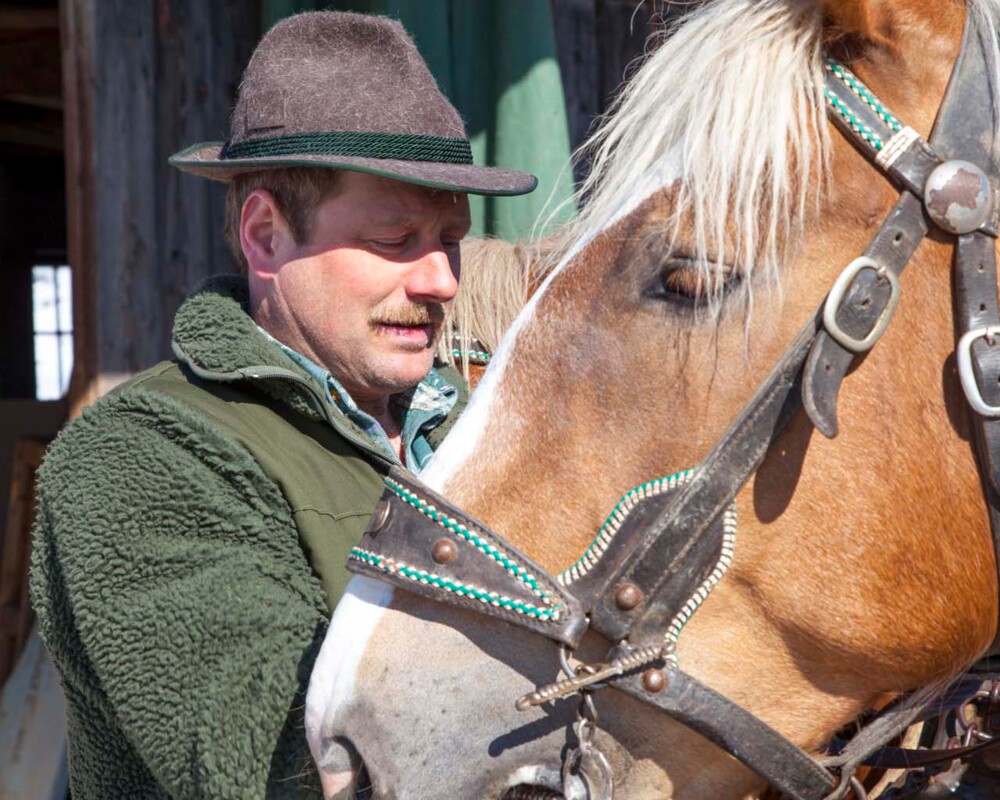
{"x": 296, "y": 190}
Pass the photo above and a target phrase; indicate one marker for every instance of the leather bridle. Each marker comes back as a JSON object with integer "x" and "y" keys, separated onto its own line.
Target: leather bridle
{"x": 668, "y": 544}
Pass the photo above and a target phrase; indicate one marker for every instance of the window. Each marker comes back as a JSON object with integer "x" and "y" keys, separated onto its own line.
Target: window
{"x": 52, "y": 314}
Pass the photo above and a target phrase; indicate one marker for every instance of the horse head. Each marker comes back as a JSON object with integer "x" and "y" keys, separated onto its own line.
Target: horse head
{"x": 720, "y": 209}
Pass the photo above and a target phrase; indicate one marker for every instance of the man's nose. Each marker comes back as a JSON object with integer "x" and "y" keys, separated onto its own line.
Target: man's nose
{"x": 434, "y": 278}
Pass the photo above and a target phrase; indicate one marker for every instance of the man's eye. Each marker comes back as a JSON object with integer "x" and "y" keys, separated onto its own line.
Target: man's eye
{"x": 389, "y": 244}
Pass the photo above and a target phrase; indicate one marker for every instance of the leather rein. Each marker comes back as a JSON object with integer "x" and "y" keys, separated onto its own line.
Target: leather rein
{"x": 667, "y": 543}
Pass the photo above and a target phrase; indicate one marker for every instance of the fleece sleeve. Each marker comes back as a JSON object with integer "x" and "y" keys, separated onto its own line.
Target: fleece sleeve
{"x": 169, "y": 576}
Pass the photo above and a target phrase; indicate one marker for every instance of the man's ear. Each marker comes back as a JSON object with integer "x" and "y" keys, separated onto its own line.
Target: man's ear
{"x": 866, "y": 19}
{"x": 264, "y": 235}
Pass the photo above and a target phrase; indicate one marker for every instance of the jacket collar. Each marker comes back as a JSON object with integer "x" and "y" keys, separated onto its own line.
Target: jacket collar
{"x": 216, "y": 338}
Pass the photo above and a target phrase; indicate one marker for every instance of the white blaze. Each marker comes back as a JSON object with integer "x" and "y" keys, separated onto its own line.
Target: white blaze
{"x": 333, "y": 677}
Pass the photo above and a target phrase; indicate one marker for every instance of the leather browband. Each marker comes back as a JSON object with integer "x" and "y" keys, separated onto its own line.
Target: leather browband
{"x": 420, "y": 542}
{"x": 669, "y": 543}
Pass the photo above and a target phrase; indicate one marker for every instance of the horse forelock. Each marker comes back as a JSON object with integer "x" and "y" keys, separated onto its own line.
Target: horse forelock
{"x": 737, "y": 122}
{"x": 743, "y": 135}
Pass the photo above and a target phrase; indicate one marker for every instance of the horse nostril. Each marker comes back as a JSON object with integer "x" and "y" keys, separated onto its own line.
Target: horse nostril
{"x": 342, "y": 772}
{"x": 530, "y": 792}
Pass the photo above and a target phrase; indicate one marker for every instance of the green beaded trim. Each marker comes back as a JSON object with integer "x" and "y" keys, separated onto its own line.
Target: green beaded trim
{"x": 458, "y": 588}
{"x": 613, "y": 524}
{"x": 355, "y": 144}
{"x": 460, "y": 530}
{"x": 851, "y": 82}
{"x": 857, "y": 125}
{"x": 607, "y": 532}
{"x": 479, "y": 355}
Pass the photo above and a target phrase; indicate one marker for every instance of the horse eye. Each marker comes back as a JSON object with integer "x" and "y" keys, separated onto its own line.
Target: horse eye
{"x": 680, "y": 280}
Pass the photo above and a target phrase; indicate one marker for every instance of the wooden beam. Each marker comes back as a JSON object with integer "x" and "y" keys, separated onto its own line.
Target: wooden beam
{"x": 624, "y": 26}
{"x": 77, "y": 40}
{"x": 575, "y": 25}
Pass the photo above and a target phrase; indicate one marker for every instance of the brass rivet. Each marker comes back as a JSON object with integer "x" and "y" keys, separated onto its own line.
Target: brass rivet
{"x": 653, "y": 680}
{"x": 627, "y": 596}
{"x": 444, "y": 551}
{"x": 380, "y": 516}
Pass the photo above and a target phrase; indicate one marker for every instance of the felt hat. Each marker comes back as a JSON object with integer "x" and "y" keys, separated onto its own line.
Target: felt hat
{"x": 347, "y": 91}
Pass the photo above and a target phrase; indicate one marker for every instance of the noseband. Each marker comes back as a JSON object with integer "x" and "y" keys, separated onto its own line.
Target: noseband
{"x": 667, "y": 543}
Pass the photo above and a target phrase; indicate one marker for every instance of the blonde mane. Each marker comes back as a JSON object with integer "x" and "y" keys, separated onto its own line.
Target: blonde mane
{"x": 497, "y": 278}
{"x": 737, "y": 123}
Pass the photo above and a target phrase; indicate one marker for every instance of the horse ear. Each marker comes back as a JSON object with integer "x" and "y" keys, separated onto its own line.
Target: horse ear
{"x": 864, "y": 18}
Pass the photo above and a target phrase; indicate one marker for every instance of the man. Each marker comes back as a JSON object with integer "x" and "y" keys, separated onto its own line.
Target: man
{"x": 194, "y": 524}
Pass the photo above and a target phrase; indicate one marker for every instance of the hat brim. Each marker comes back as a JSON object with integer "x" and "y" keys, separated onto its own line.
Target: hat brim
{"x": 203, "y": 159}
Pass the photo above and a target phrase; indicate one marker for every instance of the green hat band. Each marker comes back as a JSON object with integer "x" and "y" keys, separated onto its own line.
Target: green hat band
{"x": 355, "y": 144}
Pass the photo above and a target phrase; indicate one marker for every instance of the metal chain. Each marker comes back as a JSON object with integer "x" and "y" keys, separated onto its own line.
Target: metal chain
{"x": 970, "y": 730}
{"x": 586, "y": 773}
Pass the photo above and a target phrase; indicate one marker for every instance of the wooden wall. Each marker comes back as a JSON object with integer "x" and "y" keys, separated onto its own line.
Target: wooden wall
{"x": 142, "y": 79}
{"x": 599, "y": 43}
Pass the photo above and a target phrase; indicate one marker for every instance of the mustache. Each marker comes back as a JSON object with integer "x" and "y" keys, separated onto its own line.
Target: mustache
{"x": 408, "y": 314}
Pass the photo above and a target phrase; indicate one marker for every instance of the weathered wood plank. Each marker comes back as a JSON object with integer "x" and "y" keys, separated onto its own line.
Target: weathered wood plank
{"x": 624, "y": 27}
{"x": 77, "y": 41}
{"x": 15, "y": 606}
{"x": 130, "y": 319}
{"x": 596, "y": 42}
{"x": 33, "y": 730}
{"x": 142, "y": 234}
{"x": 203, "y": 48}
{"x": 575, "y": 23}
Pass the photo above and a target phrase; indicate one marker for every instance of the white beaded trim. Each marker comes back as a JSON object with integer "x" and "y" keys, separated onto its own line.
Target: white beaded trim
{"x": 896, "y": 146}
{"x": 726, "y": 553}
{"x": 614, "y": 523}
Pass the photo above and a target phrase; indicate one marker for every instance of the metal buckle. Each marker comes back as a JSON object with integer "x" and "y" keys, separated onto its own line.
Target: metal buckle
{"x": 966, "y": 374}
{"x": 836, "y": 295}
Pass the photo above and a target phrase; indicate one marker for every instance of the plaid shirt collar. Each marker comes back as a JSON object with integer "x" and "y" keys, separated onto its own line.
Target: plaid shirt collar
{"x": 421, "y": 409}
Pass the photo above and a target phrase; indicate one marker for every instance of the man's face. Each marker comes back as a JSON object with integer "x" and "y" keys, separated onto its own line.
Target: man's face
{"x": 366, "y": 296}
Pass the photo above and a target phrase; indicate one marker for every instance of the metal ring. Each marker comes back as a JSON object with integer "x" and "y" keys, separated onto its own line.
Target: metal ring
{"x": 967, "y": 375}
{"x": 836, "y": 296}
{"x": 567, "y": 668}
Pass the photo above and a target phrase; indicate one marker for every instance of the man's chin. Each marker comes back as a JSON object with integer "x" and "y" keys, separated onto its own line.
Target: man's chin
{"x": 404, "y": 370}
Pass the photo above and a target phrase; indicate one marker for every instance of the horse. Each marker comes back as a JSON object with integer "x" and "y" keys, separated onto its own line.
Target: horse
{"x": 720, "y": 208}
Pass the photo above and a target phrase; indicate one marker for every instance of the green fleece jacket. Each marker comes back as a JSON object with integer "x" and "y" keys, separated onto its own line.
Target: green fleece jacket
{"x": 190, "y": 543}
